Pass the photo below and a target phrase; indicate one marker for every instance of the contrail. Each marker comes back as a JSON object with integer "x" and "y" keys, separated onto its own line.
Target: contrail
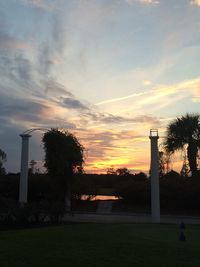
{"x": 157, "y": 89}
{"x": 122, "y": 98}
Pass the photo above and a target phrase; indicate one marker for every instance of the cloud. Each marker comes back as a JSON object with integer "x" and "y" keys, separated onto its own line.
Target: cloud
{"x": 23, "y": 67}
{"x": 31, "y": 72}
{"x": 16, "y": 73}
{"x": 195, "y": 2}
{"x": 49, "y": 5}
{"x": 29, "y": 93}
{"x": 113, "y": 148}
{"x": 8, "y": 42}
{"x": 114, "y": 119}
{"x": 147, "y": 82}
{"x": 15, "y": 67}
{"x": 20, "y": 109}
{"x": 196, "y": 99}
{"x": 121, "y": 98}
{"x": 92, "y": 16}
{"x": 51, "y": 51}
{"x": 72, "y": 103}
{"x": 55, "y": 89}
{"x": 157, "y": 97}
{"x": 30, "y": 113}
{"x": 143, "y": 2}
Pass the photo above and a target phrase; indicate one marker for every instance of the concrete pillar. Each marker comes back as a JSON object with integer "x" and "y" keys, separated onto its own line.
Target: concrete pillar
{"x": 155, "y": 191}
{"x": 23, "y": 185}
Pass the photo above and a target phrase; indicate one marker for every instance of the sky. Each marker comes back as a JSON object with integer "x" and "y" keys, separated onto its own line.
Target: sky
{"x": 106, "y": 70}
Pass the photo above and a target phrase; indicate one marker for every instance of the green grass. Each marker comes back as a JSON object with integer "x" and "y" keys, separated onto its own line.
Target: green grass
{"x": 101, "y": 245}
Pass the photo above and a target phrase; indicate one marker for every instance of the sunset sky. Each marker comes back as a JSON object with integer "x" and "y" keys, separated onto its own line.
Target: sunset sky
{"x": 106, "y": 70}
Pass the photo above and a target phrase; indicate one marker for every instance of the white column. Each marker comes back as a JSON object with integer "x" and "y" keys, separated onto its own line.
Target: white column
{"x": 155, "y": 191}
{"x": 23, "y": 185}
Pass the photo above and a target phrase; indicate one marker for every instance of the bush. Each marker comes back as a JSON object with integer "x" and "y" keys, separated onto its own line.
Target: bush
{"x": 83, "y": 185}
{"x": 55, "y": 211}
{"x": 11, "y": 213}
{"x": 133, "y": 189}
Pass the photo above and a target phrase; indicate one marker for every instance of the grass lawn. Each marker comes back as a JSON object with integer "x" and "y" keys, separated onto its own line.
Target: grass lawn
{"x": 100, "y": 245}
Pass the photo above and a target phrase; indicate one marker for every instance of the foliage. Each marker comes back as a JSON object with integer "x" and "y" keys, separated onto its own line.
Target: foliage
{"x": 164, "y": 162}
{"x": 111, "y": 171}
{"x": 133, "y": 189}
{"x": 56, "y": 211}
{"x": 63, "y": 158}
{"x": 123, "y": 171}
{"x": 185, "y": 170}
{"x": 11, "y": 213}
{"x": 2, "y": 160}
{"x": 39, "y": 187}
{"x": 178, "y": 194}
{"x": 32, "y": 165}
{"x": 83, "y": 185}
{"x": 119, "y": 171}
{"x": 7, "y": 206}
{"x": 181, "y": 132}
{"x": 9, "y": 186}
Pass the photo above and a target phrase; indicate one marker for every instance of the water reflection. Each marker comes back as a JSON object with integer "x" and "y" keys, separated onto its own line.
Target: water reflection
{"x": 98, "y": 197}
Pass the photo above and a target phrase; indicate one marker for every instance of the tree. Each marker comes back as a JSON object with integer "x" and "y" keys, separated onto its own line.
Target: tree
{"x": 123, "y": 171}
{"x": 161, "y": 163}
{"x": 63, "y": 158}
{"x": 185, "y": 132}
{"x": 2, "y": 160}
{"x": 185, "y": 167}
{"x": 32, "y": 164}
{"x": 120, "y": 171}
{"x": 111, "y": 171}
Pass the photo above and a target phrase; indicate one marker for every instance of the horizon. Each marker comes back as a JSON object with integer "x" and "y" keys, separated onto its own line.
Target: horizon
{"x": 107, "y": 71}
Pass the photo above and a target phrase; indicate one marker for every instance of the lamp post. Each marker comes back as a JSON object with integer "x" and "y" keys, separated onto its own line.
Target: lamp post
{"x": 23, "y": 185}
{"x": 155, "y": 191}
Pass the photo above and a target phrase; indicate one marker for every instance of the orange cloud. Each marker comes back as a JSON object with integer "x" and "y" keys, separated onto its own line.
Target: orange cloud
{"x": 195, "y": 2}
{"x": 14, "y": 44}
{"x": 114, "y": 148}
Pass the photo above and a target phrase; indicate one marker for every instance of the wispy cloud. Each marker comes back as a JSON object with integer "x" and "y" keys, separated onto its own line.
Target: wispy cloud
{"x": 113, "y": 148}
{"x": 49, "y": 5}
{"x": 196, "y": 99}
{"x": 54, "y": 89}
{"x": 159, "y": 96}
{"x": 72, "y": 103}
{"x": 51, "y": 52}
{"x": 8, "y": 42}
{"x": 195, "y": 2}
{"x": 129, "y": 54}
{"x": 143, "y": 2}
{"x": 92, "y": 16}
{"x": 121, "y": 98}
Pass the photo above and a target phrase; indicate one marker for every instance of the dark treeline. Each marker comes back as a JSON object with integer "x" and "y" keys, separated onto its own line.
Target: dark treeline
{"x": 177, "y": 193}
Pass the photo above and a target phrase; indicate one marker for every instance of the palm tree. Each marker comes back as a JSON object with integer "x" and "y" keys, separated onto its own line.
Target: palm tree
{"x": 185, "y": 132}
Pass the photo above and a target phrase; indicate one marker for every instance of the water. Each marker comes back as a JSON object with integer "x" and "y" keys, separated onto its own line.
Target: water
{"x": 98, "y": 197}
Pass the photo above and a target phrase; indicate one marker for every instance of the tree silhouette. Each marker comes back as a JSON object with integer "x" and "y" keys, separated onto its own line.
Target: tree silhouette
{"x": 63, "y": 157}
{"x": 185, "y": 132}
{"x": 123, "y": 171}
{"x": 2, "y": 160}
{"x": 161, "y": 163}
